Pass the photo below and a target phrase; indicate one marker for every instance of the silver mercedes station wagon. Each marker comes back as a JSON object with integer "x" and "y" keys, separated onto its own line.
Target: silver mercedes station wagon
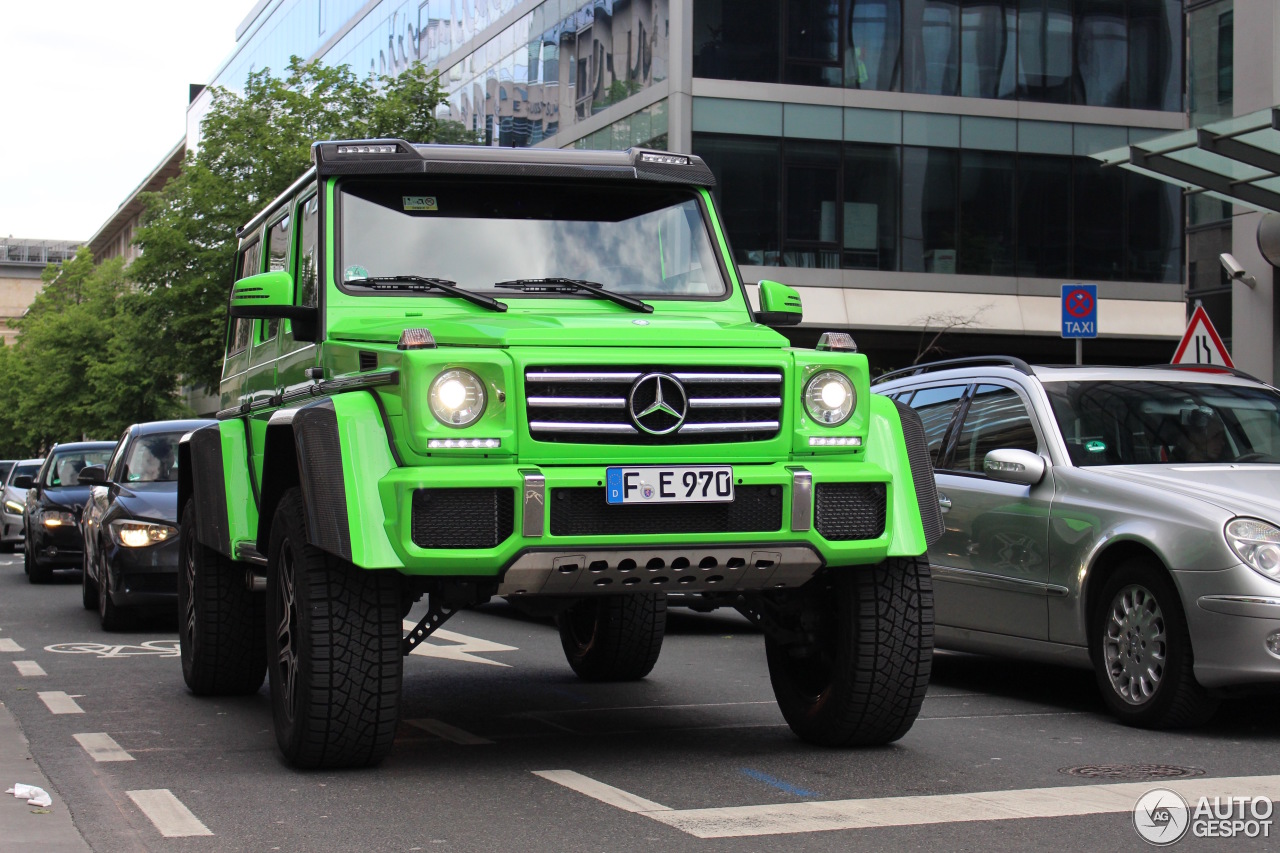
{"x": 1123, "y": 519}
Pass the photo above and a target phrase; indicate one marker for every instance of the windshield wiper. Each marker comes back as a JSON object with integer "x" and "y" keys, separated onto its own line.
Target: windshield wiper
{"x": 421, "y": 284}
{"x": 573, "y": 285}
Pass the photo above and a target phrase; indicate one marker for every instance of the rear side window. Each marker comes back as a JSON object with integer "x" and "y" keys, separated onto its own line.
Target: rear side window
{"x": 935, "y": 406}
{"x": 307, "y": 253}
{"x": 997, "y": 419}
{"x": 250, "y": 264}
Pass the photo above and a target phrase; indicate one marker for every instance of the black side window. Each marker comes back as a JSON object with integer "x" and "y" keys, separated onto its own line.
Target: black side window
{"x": 114, "y": 474}
{"x": 935, "y": 406}
{"x": 307, "y": 257}
{"x": 997, "y": 419}
{"x": 250, "y": 264}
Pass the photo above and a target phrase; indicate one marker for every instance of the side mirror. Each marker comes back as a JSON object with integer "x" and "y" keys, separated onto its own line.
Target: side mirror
{"x": 1014, "y": 466}
{"x": 93, "y": 475}
{"x": 269, "y": 296}
{"x": 779, "y": 305}
{"x": 23, "y": 481}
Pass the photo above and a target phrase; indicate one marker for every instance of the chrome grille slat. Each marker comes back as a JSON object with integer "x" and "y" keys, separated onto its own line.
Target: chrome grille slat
{"x": 592, "y": 404}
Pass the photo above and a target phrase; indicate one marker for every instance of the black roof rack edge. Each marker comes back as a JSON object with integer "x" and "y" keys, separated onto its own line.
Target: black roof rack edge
{"x": 947, "y": 364}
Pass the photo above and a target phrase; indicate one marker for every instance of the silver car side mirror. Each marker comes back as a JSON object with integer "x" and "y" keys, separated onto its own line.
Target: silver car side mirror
{"x": 1014, "y": 466}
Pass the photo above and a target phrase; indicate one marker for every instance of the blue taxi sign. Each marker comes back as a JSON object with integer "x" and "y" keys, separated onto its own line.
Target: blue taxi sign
{"x": 1079, "y": 310}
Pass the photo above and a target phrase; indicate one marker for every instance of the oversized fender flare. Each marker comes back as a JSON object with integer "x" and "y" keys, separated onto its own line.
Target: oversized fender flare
{"x": 303, "y": 449}
{"x": 200, "y": 476}
{"x": 897, "y": 436}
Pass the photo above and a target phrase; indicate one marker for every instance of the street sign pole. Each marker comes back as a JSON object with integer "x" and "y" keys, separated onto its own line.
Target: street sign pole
{"x": 1079, "y": 351}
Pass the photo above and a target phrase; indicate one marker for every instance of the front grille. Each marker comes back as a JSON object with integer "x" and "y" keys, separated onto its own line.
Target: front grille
{"x": 463, "y": 518}
{"x": 847, "y": 511}
{"x": 591, "y": 405}
{"x": 583, "y": 512}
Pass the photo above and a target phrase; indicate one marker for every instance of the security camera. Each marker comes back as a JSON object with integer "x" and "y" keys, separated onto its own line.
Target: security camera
{"x": 1235, "y": 270}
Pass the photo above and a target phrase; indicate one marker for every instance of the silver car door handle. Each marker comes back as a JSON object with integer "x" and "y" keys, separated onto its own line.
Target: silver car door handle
{"x": 944, "y": 502}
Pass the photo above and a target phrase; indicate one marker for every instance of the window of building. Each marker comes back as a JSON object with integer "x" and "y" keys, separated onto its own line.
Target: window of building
{"x": 1155, "y": 54}
{"x": 1043, "y": 200}
{"x": 929, "y": 209}
{"x": 872, "y": 55}
{"x": 1099, "y": 218}
{"x": 931, "y": 46}
{"x": 988, "y": 49}
{"x": 812, "y": 175}
{"x": 1102, "y": 53}
{"x": 986, "y": 213}
{"x": 748, "y": 189}
{"x": 813, "y": 43}
{"x": 1045, "y": 48}
{"x": 1154, "y": 240}
{"x": 1210, "y": 61}
{"x": 869, "y": 230}
{"x": 736, "y": 39}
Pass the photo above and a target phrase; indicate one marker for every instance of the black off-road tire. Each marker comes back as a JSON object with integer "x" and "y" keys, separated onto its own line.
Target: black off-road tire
{"x": 1178, "y": 700}
{"x": 614, "y": 637}
{"x": 220, "y": 619}
{"x": 112, "y": 616}
{"x": 88, "y": 586}
{"x": 334, "y": 646}
{"x": 863, "y": 681}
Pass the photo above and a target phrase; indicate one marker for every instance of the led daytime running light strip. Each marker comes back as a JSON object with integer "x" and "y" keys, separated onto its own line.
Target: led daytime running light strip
{"x": 835, "y": 441}
{"x": 458, "y": 443}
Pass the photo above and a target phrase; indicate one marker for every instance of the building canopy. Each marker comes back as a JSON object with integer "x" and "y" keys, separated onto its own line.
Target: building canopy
{"x": 1236, "y": 159}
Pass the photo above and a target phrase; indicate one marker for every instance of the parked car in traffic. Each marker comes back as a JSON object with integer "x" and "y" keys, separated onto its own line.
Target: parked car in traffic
{"x": 52, "y": 507}
{"x": 130, "y": 524}
{"x": 14, "y": 502}
{"x": 1125, "y": 519}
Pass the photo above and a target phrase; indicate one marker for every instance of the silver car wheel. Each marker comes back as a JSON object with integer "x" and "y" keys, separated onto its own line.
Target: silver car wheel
{"x": 1136, "y": 647}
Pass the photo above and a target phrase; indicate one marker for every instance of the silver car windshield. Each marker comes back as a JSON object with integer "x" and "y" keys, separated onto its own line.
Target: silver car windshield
{"x": 1142, "y": 423}
{"x": 639, "y": 241}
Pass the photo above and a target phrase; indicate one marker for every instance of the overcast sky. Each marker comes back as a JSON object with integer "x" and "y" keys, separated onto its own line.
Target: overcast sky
{"x": 95, "y": 95}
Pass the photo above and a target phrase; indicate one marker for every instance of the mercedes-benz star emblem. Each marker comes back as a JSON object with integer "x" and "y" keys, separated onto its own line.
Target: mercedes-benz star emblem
{"x": 658, "y": 404}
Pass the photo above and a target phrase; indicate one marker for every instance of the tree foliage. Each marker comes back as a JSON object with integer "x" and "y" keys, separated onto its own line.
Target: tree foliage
{"x": 253, "y": 146}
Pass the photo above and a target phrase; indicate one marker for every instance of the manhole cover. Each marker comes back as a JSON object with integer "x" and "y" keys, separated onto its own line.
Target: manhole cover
{"x": 1132, "y": 771}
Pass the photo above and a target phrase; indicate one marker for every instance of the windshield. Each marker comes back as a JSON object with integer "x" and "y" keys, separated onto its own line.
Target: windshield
{"x": 1137, "y": 423}
{"x": 65, "y": 467}
{"x": 153, "y": 459}
{"x": 28, "y": 470}
{"x": 637, "y": 240}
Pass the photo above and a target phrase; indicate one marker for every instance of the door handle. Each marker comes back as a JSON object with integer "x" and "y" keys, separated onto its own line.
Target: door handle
{"x": 944, "y": 502}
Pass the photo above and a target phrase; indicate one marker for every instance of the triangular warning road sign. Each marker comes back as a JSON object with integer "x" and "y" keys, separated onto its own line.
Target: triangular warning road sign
{"x": 1201, "y": 344}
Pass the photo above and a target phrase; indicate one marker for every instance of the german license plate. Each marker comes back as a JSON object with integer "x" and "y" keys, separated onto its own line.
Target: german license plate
{"x": 669, "y": 484}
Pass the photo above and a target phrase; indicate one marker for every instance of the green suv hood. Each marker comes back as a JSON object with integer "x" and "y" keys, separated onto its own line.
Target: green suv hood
{"x": 588, "y": 329}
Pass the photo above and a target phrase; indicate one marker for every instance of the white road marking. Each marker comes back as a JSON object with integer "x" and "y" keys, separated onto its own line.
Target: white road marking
{"x": 7, "y": 645}
{"x": 29, "y": 668}
{"x": 1069, "y": 801}
{"x": 170, "y": 816}
{"x": 102, "y": 747}
{"x": 448, "y": 732}
{"x": 60, "y": 703}
{"x": 607, "y": 794}
{"x": 463, "y": 648}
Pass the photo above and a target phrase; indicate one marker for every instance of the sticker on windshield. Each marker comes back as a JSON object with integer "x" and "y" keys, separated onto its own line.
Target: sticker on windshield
{"x": 1096, "y": 446}
{"x": 353, "y": 272}
{"x": 420, "y": 202}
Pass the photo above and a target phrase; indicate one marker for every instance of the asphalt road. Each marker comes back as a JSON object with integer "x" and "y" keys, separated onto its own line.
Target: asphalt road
{"x": 502, "y": 748}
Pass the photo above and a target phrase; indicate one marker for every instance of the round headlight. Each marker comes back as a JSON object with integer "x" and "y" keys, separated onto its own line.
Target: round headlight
{"x": 457, "y": 398}
{"x": 829, "y": 398}
{"x": 1257, "y": 543}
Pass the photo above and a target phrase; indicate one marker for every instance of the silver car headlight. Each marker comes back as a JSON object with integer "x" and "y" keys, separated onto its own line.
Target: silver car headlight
{"x": 829, "y": 398}
{"x": 13, "y": 506}
{"x": 1257, "y": 543}
{"x": 457, "y": 397}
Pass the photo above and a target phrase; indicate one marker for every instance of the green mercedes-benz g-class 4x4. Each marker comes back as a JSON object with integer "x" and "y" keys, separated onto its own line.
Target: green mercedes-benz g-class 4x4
{"x": 461, "y": 372}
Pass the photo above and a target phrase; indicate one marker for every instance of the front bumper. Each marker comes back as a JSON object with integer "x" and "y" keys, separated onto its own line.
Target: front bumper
{"x": 545, "y": 551}
{"x": 10, "y": 527}
{"x": 1230, "y": 614}
{"x": 60, "y": 546}
{"x": 143, "y": 577}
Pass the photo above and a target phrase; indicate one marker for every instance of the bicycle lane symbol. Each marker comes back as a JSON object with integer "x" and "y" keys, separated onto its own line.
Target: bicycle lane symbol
{"x": 157, "y": 648}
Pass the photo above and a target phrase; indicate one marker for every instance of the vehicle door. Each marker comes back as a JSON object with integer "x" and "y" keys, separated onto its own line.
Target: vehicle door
{"x": 296, "y": 356}
{"x": 991, "y": 564}
{"x": 264, "y": 349}
{"x": 240, "y": 331}
{"x": 95, "y": 509}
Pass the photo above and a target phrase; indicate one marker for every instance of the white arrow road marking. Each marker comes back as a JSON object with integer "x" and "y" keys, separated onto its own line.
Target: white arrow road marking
{"x": 7, "y": 645}
{"x": 60, "y": 703}
{"x": 102, "y": 747}
{"x": 170, "y": 816}
{"x": 29, "y": 668}
{"x": 812, "y": 816}
{"x": 448, "y": 732}
{"x": 463, "y": 648}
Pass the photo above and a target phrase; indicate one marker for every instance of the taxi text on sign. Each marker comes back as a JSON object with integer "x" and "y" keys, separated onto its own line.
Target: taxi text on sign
{"x": 1079, "y": 310}
{"x": 1200, "y": 344}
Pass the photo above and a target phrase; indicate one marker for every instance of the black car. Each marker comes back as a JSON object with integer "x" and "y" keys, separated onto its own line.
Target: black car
{"x": 55, "y": 500}
{"x": 130, "y": 524}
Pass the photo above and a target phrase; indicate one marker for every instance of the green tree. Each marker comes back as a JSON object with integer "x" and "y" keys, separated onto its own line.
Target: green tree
{"x": 252, "y": 146}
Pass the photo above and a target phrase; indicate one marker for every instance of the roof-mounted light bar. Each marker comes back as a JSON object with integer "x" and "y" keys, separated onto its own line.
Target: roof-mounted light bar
{"x": 369, "y": 149}
{"x": 664, "y": 159}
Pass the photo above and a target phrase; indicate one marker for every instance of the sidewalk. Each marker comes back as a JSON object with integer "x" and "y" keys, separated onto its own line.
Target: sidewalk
{"x": 20, "y": 829}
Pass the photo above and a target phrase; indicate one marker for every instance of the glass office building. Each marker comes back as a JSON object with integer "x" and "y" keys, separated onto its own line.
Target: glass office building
{"x": 914, "y": 166}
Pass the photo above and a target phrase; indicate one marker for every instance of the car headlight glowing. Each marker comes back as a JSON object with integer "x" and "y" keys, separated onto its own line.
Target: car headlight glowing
{"x": 1257, "y": 543}
{"x": 829, "y": 398}
{"x": 13, "y": 507}
{"x": 140, "y": 534}
{"x": 457, "y": 397}
{"x": 58, "y": 519}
